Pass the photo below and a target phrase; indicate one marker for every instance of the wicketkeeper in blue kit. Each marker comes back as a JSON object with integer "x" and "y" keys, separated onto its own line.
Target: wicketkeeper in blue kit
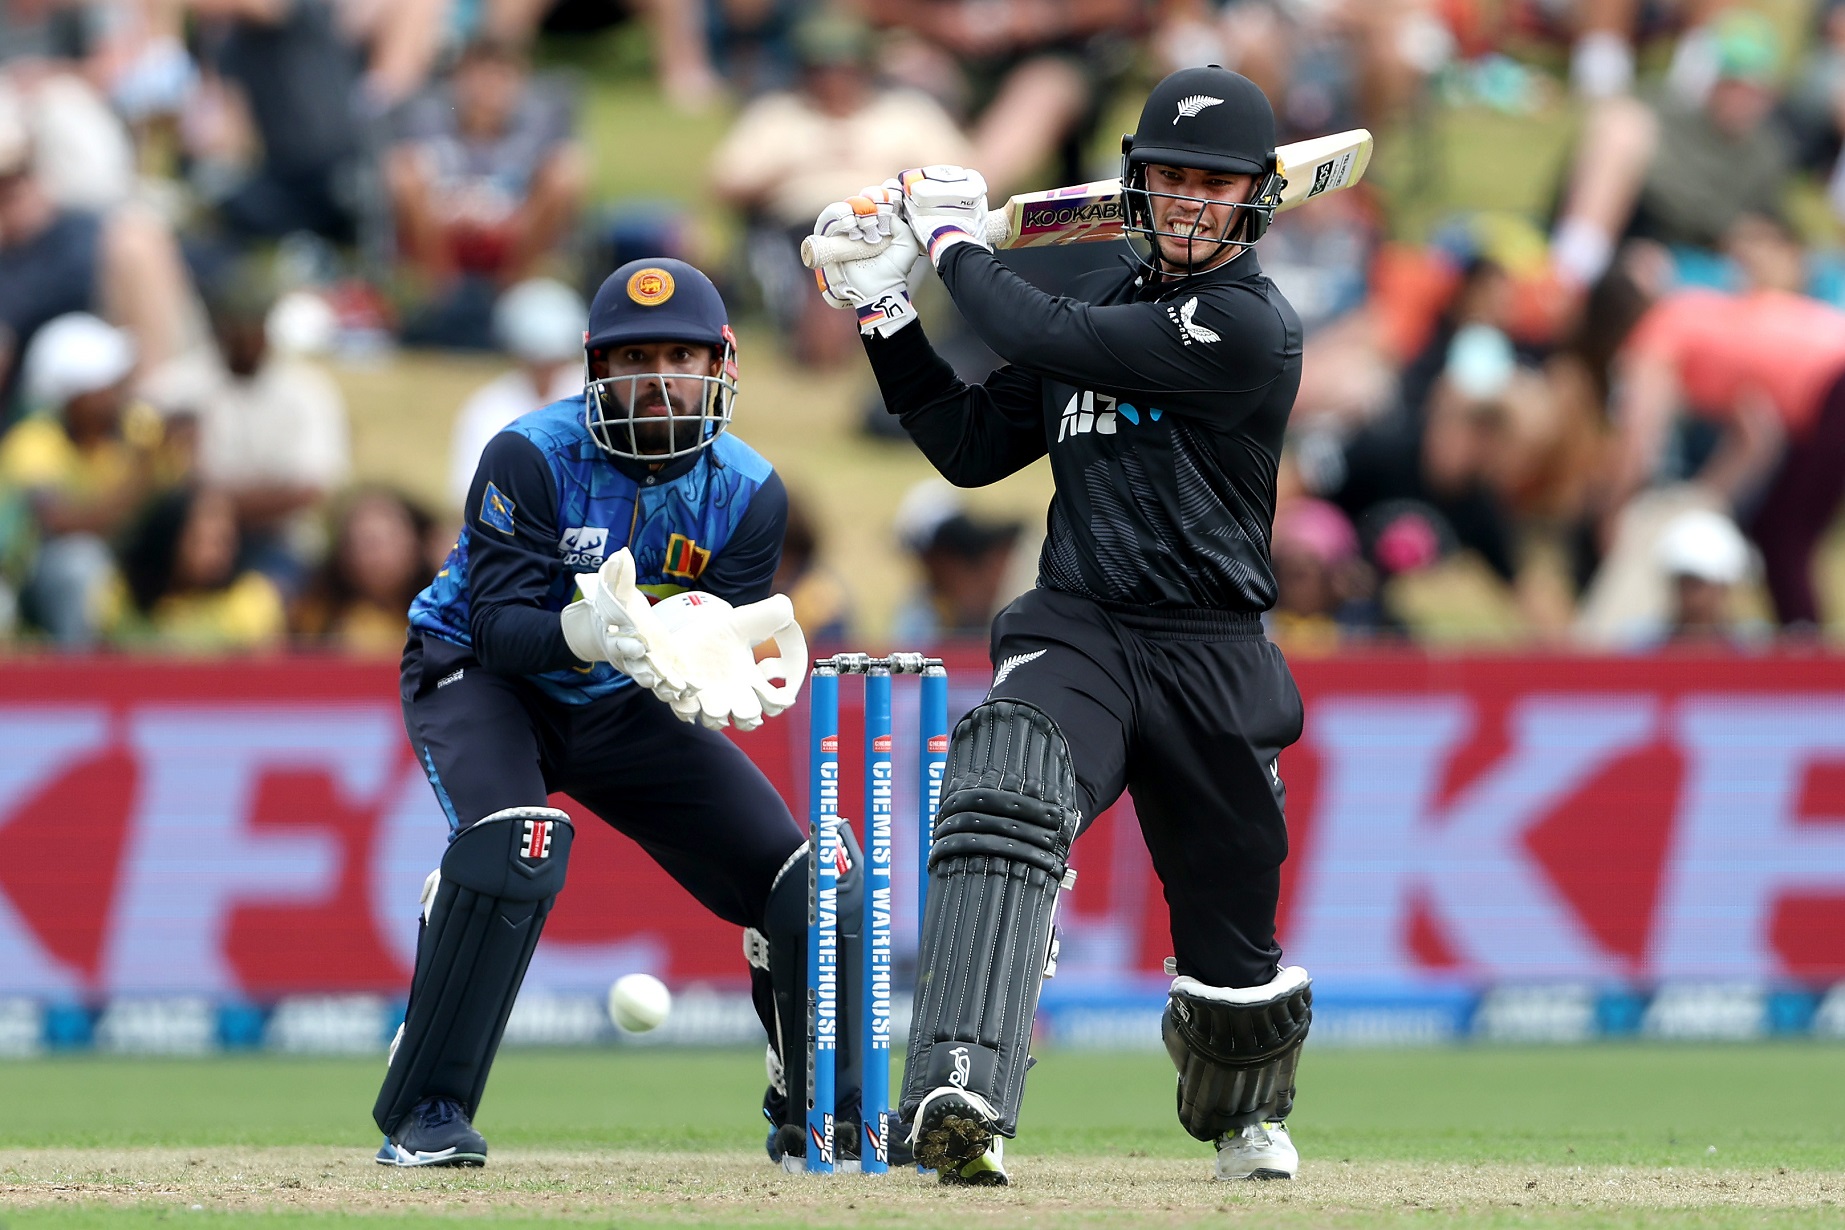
{"x": 536, "y": 665}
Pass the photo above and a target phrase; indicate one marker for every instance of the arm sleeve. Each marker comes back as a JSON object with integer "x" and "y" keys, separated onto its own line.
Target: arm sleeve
{"x": 744, "y": 571}
{"x": 512, "y": 561}
{"x": 972, "y": 434}
{"x": 1127, "y": 346}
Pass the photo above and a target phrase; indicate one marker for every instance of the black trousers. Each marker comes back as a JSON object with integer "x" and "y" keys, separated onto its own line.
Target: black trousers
{"x": 686, "y": 795}
{"x": 1189, "y": 719}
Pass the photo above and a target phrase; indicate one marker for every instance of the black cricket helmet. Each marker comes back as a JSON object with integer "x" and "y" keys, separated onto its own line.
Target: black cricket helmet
{"x": 641, "y": 416}
{"x": 1212, "y": 119}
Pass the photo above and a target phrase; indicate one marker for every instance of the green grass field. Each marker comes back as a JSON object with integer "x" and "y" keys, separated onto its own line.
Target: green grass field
{"x": 1601, "y": 1136}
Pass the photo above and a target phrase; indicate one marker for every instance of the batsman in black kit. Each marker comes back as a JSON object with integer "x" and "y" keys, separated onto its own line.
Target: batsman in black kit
{"x": 1160, "y": 392}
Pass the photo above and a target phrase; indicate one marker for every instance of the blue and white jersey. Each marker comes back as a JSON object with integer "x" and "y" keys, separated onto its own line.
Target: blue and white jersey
{"x": 546, "y": 504}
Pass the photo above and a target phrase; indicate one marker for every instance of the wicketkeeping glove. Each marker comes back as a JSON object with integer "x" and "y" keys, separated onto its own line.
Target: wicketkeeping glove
{"x": 614, "y": 623}
{"x": 716, "y": 642}
{"x": 877, "y": 287}
{"x": 945, "y": 205}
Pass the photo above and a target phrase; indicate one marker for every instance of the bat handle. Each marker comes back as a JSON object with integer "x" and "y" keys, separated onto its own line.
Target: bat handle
{"x": 818, "y": 250}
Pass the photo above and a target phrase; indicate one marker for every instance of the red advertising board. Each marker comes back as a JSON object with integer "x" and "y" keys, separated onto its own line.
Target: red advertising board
{"x": 257, "y": 828}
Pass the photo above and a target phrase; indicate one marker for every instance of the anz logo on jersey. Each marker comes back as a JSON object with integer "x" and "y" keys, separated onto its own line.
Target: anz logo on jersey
{"x": 1088, "y": 411}
{"x": 584, "y": 546}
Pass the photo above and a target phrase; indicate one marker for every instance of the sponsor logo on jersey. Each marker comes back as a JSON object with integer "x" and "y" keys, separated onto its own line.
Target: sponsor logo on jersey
{"x": 496, "y": 511}
{"x": 1192, "y": 105}
{"x": 650, "y": 287}
{"x": 1090, "y": 412}
{"x": 684, "y": 558}
{"x": 584, "y": 546}
{"x": 1189, "y": 329}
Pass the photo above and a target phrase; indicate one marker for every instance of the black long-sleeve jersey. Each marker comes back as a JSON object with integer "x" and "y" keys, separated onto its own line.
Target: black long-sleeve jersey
{"x": 1162, "y": 406}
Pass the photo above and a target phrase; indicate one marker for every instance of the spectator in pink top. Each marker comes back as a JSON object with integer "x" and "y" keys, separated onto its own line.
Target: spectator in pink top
{"x": 1767, "y": 369}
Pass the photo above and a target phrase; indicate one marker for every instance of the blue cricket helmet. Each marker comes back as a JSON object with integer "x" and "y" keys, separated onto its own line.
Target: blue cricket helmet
{"x": 658, "y": 300}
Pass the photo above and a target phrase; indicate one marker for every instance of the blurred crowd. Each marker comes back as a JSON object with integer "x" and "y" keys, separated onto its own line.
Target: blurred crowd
{"x": 1617, "y": 422}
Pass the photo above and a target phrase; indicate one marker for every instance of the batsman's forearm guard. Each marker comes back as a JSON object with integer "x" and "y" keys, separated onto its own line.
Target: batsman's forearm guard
{"x": 499, "y": 878}
{"x": 998, "y": 859}
{"x": 1236, "y": 1049}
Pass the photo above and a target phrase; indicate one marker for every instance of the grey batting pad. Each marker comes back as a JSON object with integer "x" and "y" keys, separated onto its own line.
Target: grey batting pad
{"x": 499, "y": 879}
{"x": 1000, "y": 850}
{"x": 785, "y": 924}
{"x": 1236, "y": 1049}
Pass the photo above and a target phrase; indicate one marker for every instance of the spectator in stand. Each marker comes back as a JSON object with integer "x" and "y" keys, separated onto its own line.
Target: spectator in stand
{"x": 85, "y": 469}
{"x": 1603, "y": 35}
{"x": 1651, "y": 170}
{"x": 295, "y": 89}
{"x": 1459, "y": 462}
{"x": 485, "y": 185}
{"x": 822, "y": 605}
{"x": 272, "y": 432}
{"x": 184, "y": 590}
{"x": 359, "y": 599}
{"x": 540, "y": 323}
{"x": 1328, "y": 65}
{"x": 1327, "y": 592}
{"x": 792, "y": 153}
{"x": 1028, "y": 77}
{"x": 1766, "y": 370}
{"x": 964, "y": 560}
{"x": 1705, "y": 560}
{"x": 122, "y": 264}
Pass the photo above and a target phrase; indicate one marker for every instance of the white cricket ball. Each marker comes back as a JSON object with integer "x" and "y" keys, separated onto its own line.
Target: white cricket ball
{"x": 639, "y": 1002}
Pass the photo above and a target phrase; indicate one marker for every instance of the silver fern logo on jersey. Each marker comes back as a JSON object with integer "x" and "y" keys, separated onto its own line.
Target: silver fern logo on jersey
{"x": 1189, "y": 329}
{"x": 1014, "y": 662}
{"x": 1191, "y": 105}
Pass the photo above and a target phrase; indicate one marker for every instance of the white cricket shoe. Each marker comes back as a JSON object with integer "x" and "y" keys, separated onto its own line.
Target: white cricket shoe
{"x": 952, "y": 1128}
{"x": 1259, "y": 1151}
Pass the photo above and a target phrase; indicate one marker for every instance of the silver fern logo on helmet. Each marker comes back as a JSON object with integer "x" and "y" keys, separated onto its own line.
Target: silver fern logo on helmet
{"x": 1192, "y": 105}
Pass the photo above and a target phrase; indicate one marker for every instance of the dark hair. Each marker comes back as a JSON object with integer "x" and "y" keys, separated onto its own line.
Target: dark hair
{"x": 331, "y": 590}
{"x": 489, "y": 49}
{"x": 150, "y": 551}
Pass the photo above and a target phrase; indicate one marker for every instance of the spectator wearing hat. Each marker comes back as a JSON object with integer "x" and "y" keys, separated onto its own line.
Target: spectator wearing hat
{"x": 1705, "y": 559}
{"x": 85, "y": 469}
{"x": 121, "y": 264}
{"x": 793, "y": 152}
{"x": 272, "y": 428}
{"x": 540, "y": 323}
{"x": 964, "y": 561}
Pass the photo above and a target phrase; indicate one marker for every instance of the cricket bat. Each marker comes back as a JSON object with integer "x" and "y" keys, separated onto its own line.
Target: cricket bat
{"x": 1084, "y": 213}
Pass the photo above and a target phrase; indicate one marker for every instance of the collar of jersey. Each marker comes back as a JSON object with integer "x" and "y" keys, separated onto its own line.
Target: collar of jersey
{"x": 639, "y": 471}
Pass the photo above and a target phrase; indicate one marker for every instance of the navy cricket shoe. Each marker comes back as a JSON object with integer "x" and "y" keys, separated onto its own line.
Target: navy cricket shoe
{"x": 435, "y": 1133}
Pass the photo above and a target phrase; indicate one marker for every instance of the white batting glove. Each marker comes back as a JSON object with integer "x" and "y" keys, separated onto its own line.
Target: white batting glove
{"x": 877, "y": 287}
{"x": 717, "y": 642}
{"x": 945, "y": 205}
{"x": 614, "y": 623}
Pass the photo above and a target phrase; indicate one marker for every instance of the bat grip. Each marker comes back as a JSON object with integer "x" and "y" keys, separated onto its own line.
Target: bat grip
{"x": 818, "y": 250}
